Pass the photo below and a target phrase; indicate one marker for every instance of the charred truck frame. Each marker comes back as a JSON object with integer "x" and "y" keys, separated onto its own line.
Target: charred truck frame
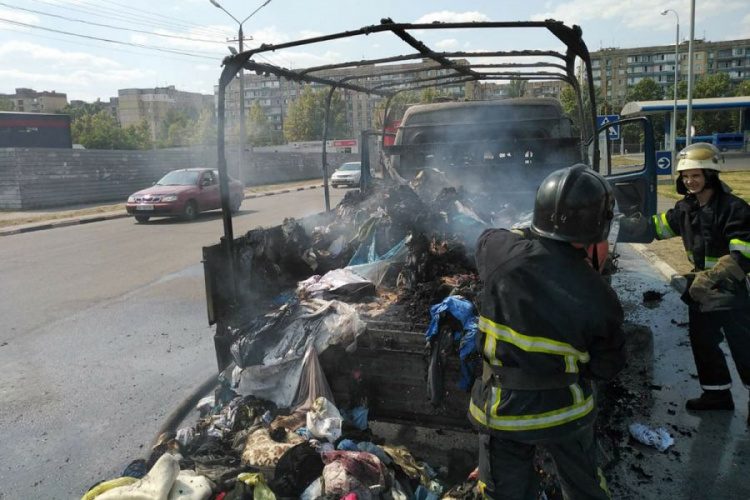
{"x": 491, "y": 144}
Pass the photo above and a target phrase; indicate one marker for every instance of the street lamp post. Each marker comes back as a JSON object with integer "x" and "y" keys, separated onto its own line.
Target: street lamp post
{"x": 240, "y": 38}
{"x": 673, "y": 135}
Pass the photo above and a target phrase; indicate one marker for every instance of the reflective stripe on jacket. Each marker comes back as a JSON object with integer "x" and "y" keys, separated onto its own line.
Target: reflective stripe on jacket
{"x": 719, "y": 228}
{"x": 545, "y": 310}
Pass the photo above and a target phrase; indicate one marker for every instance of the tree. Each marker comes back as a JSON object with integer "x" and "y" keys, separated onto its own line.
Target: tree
{"x": 6, "y": 105}
{"x": 204, "y": 132}
{"x": 429, "y": 95}
{"x": 713, "y": 122}
{"x": 646, "y": 90}
{"x": 75, "y": 111}
{"x": 305, "y": 116}
{"x": 175, "y": 130}
{"x": 516, "y": 88}
{"x": 398, "y": 106}
{"x": 259, "y": 130}
{"x": 570, "y": 104}
{"x": 743, "y": 89}
{"x": 101, "y": 131}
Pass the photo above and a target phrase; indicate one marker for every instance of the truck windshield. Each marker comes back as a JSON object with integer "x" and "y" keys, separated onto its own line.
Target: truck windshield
{"x": 179, "y": 178}
{"x": 349, "y": 166}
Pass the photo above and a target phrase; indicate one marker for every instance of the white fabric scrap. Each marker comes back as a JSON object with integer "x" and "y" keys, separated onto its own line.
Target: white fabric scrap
{"x": 658, "y": 438}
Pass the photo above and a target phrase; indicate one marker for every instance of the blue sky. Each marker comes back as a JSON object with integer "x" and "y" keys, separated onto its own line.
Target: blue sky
{"x": 38, "y": 50}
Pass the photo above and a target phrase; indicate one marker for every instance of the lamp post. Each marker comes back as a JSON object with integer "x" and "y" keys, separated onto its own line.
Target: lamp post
{"x": 240, "y": 39}
{"x": 673, "y": 134}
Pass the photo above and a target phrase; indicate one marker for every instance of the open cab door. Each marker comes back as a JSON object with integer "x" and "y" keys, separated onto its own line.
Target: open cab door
{"x": 628, "y": 160}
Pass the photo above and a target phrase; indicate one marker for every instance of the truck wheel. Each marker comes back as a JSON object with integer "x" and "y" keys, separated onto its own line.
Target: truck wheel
{"x": 190, "y": 211}
{"x": 142, "y": 218}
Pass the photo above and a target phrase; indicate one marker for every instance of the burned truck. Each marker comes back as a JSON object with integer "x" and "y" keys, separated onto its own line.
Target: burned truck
{"x": 382, "y": 287}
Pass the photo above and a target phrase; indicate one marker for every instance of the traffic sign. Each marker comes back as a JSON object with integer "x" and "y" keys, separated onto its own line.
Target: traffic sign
{"x": 614, "y": 132}
{"x": 663, "y": 162}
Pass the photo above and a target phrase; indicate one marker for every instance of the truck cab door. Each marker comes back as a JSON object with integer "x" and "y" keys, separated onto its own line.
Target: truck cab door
{"x": 628, "y": 160}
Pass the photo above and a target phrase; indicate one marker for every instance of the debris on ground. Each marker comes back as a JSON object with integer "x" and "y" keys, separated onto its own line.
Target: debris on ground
{"x": 659, "y": 438}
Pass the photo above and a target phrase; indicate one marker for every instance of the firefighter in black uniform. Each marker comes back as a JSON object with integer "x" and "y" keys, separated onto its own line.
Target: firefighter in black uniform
{"x": 549, "y": 324}
{"x": 715, "y": 229}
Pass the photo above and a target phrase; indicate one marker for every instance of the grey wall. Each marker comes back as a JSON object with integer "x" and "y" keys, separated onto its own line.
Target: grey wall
{"x": 39, "y": 178}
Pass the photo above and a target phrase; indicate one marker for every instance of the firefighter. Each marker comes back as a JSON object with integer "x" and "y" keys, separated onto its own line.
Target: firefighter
{"x": 549, "y": 324}
{"x": 715, "y": 229}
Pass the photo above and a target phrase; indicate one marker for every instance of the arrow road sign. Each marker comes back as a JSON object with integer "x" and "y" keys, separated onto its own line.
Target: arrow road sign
{"x": 663, "y": 162}
{"x": 614, "y": 131}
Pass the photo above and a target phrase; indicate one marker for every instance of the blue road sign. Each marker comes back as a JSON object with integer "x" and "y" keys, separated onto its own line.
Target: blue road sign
{"x": 663, "y": 162}
{"x": 614, "y": 132}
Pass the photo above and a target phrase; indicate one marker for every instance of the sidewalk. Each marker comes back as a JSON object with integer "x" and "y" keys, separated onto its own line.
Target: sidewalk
{"x": 51, "y": 218}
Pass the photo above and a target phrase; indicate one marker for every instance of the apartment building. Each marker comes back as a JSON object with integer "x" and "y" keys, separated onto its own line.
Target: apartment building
{"x": 31, "y": 101}
{"x": 152, "y": 105}
{"x": 275, "y": 93}
{"x": 618, "y": 70}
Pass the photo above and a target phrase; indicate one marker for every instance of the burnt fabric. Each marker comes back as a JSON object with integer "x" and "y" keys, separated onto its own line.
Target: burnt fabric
{"x": 406, "y": 462}
{"x": 296, "y": 469}
{"x": 721, "y": 227}
{"x": 262, "y": 451}
{"x": 547, "y": 312}
{"x": 353, "y": 472}
{"x": 506, "y": 468}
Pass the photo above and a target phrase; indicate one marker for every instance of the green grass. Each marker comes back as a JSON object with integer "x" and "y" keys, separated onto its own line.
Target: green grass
{"x": 738, "y": 181}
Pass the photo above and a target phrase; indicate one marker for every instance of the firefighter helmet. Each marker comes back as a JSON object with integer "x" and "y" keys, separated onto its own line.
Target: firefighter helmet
{"x": 573, "y": 204}
{"x": 699, "y": 155}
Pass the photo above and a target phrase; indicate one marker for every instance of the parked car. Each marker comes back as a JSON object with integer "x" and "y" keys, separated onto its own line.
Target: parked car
{"x": 347, "y": 174}
{"x": 183, "y": 193}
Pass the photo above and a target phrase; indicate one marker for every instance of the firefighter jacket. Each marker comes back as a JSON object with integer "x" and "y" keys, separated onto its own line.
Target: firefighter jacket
{"x": 719, "y": 228}
{"x": 546, "y": 313}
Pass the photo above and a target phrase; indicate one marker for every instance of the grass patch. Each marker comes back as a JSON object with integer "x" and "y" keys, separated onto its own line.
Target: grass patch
{"x": 66, "y": 214}
{"x": 738, "y": 181}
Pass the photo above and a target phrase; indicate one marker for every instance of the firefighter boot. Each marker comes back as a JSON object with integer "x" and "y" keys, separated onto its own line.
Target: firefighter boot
{"x": 711, "y": 400}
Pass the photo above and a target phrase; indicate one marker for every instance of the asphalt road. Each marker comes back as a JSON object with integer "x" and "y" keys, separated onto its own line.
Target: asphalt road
{"x": 104, "y": 333}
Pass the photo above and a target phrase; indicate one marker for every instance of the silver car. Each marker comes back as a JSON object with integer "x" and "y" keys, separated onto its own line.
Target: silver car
{"x": 347, "y": 174}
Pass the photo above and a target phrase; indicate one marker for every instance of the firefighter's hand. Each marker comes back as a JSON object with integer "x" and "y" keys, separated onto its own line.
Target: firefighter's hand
{"x": 702, "y": 285}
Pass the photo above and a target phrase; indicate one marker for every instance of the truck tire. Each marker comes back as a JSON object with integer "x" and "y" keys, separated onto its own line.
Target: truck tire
{"x": 142, "y": 218}
{"x": 190, "y": 211}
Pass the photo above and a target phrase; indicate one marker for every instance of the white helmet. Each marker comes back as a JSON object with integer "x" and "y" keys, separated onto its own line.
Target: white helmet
{"x": 699, "y": 155}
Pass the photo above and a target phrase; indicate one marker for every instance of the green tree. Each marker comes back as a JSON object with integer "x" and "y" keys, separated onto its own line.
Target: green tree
{"x": 646, "y": 90}
{"x": 429, "y": 95}
{"x": 204, "y": 132}
{"x": 743, "y": 89}
{"x": 713, "y": 122}
{"x": 6, "y": 105}
{"x": 175, "y": 130}
{"x": 257, "y": 126}
{"x": 570, "y": 105}
{"x": 396, "y": 110}
{"x": 76, "y": 111}
{"x": 305, "y": 116}
{"x": 516, "y": 88}
{"x": 101, "y": 131}
{"x": 139, "y": 135}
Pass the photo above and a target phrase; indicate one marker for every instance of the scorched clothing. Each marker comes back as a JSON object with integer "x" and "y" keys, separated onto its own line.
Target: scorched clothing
{"x": 548, "y": 315}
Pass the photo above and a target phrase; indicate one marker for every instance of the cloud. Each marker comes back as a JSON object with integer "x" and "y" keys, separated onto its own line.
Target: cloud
{"x": 309, "y": 34}
{"x": 744, "y": 32}
{"x": 444, "y": 44}
{"x": 55, "y": 58}
{"x": 76, "y": 79}
{"x": 638, "y": 14}
{"x": 21, "y": 17}
{"x": 447, "y": 16}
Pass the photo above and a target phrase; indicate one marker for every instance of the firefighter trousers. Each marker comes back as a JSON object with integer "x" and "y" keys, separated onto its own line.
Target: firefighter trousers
{"x": 506, "y": 467}
{"x": 707, "y": 330}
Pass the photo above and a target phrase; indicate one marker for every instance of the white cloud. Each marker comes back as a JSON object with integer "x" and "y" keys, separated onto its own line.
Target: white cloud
{"x": 76, "y": 79}
{"x": 744, "y": 32}
{"x": 57, "y": 59}
{"x": 309, "y": 34}
{"x": 21, "y": 17}
{"x": 637, "y": 14}
{"x": 444, "y": 44}
{"x": 447, "y": 16}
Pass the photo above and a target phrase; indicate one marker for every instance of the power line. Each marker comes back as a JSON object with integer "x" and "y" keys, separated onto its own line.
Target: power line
{"x": 109, "y": 25}
{"x": 131, "y": 44}
{"x": 130, "y": 18}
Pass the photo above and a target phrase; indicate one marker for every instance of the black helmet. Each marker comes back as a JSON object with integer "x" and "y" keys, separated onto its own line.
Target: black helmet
{"x": 573, "y": 204}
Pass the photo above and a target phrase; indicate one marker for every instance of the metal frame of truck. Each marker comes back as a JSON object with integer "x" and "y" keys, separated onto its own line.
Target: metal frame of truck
{"x": 630, "y": 186}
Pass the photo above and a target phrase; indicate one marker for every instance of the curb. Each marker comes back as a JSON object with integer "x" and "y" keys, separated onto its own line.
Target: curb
{"x": 667, "y": 271}
{"x": 74, "y": 222}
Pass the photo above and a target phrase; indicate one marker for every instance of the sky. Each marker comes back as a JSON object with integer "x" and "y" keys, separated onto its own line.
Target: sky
{"x": 91, "y": 48}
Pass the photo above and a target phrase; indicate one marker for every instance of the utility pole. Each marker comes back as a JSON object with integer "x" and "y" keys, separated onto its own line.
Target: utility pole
{"x": 689, "y": 125}
{"x": 240, "y": 39}
{"x": 673, "y": 134}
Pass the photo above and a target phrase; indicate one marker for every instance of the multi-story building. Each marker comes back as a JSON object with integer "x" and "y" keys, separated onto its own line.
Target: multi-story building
{"x": 616, "y": 71}
{"x": 152, "y": 105}
{"x": 275, "y": 94}
{"x": 545, "y": 88}
{"x": 31, "y": 101}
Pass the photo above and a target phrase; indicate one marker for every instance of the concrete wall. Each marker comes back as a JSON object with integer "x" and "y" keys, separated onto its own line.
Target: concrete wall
{"x": 39, "y": 178}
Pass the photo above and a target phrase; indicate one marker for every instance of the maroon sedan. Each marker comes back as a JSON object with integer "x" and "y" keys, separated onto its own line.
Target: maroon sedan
{"x": 183, "y": 193}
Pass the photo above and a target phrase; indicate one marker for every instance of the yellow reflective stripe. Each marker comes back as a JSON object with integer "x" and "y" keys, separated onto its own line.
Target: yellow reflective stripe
{"x": 603, "y": 482}
{"x": 570, "y": 364}
{"x": 740, "y": 246}
{"x": 529, "y": 343}
{"x": 518, "y": 232}
{"x": 663, "y": 230}
{"x": 710, "y": 262}
{"x": 577, "y": 392}
{"x": 490, "y": 346}
{"x": 496, "y": 394}
{"x": 538, "y": 421}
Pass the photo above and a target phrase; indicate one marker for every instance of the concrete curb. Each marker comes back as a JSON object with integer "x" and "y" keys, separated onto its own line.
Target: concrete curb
{"x": 667, "y": 271}
{"x": 42, "y": 226}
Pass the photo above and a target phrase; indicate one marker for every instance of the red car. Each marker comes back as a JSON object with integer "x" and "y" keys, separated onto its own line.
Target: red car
{"x": 183, "y": 193}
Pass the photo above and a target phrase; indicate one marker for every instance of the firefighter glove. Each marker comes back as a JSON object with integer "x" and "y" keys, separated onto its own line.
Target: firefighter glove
{"x": 635, "y": 225}
{"x": 726, "y": 269}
